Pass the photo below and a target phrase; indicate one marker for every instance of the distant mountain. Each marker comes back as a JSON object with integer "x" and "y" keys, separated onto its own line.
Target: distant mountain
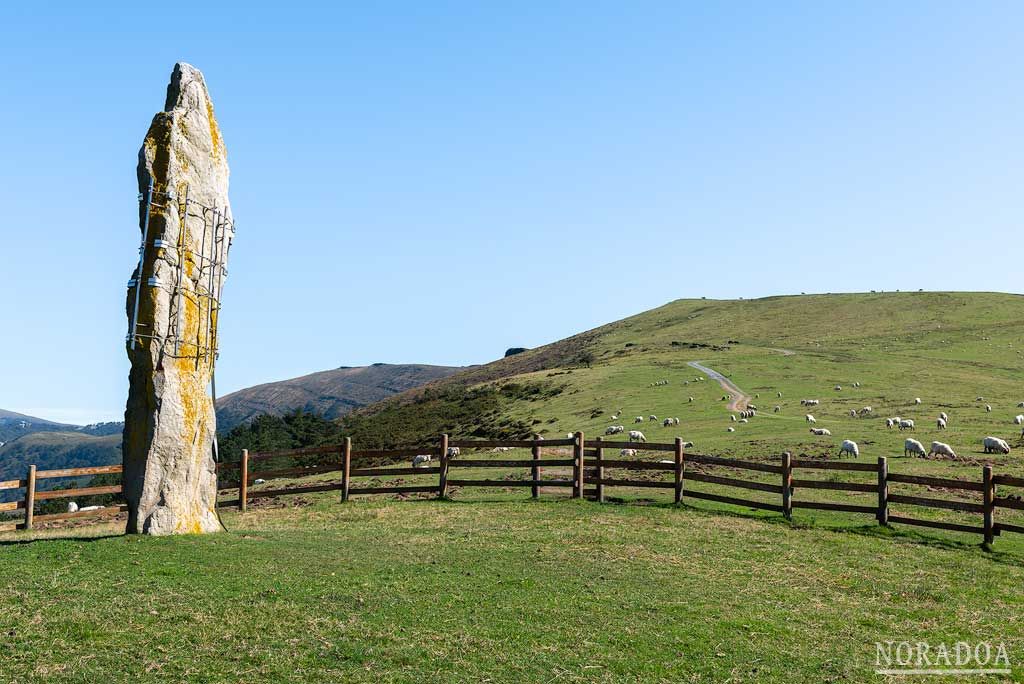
{"x": 14, "y": 425}
{"x": 58, "y": 449}
{"x": 331, "y": 393}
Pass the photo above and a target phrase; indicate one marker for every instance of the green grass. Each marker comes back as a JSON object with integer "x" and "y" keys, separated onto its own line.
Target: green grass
{"x": 501, "y": 589}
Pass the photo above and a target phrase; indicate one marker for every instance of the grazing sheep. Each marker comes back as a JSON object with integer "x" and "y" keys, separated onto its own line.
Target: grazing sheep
{"x": 691, "y": 400}
{"x": 667, "y": 422}
{"x": 259, "y": 481}
{"x": 636, "y": 436}
{"x": 1018, "y": 420}
{"x": 777, "y": 409}
{"x": 454, "y": 451}
{"x": 979, "y": 399}
{"x": 687, "y": 445}
{"x": 610, "y": 430}
{"x": 732, "y": 418}
{"x": 420, "y": 459}
{"x": 810, "y": 418}
{"x": 849, "y": 447}
{"x": 72, "y": 507}
{"x": 730, "y": 429}
{"x": 653, "y": 418}
{"x": 867, "y": 410}
{"x": 780, "y": 394}
{"x": 821, "y": 432}
{"x": 917, "y": 400}
{"x": 675, "y": 421}
{"x": 853, "y": 414}
{"x": 942, "y": 449}
{"x": 744, "y": 420}
{"x": 988, "y": 408}
{"x": 627, "y": 452}
{"x": 1020, "y": 405}
{"x": 907, "y": 424}
{"x": 911, "y": 447}
{"x": 996, "y": 445}
{"x": 889, "y": 423}
{"x": 856, "y": 384}
{"x": 500, "y": 450}
{"x": 940, "y": 424}
{"x": 615, "y": 417}
{"x": 839, "y": 388}
{"x": 944, "y": 417}
{"x": 638, "y": 419}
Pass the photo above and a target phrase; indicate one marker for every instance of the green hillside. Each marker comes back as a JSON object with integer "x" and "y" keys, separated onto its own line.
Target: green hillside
{"x": 946, "y": 348}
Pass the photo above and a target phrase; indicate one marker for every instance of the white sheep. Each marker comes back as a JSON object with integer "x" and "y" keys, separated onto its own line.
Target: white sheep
{"x": 259, "y": 481}
{"x": 838, "y": 388}
{"x": 821, "y": 432}
{"x": 1020, "y": 405}
{"x": 907, "y": 424}
{"x": 653, "y": 418}
{"x": 866, "y": 411}
{"x": 994, "y": 444}
{"x": 667, "y": 422}
{"x": 988, "y": 408}
{"x": 944, "y": 417}
{"x": 912, "y": 447}
{"x": 687, "y": 445}
{"x": 454, "y": 451}
{"x": 74, "y": 508}
{"x": 420, "y": 459}
{"x": 730, "y": 429}
{"x": 777, "y": 409}
{"x": 732, "y": 418}
{"x": 942, "y": 449}
{"x": 691, "y": 400}
{"x": 917, "y": 400}
{"x": 853, "y": 414}
{"x": 809, "y": 418}
{"x": 627, "y": 452}
{"x": 889, "y": 423}
{"x": 1018, "y": 420}
{"x": 638, "y": 419}
{"x": 675, "y": 421}
{"x": 744, "y": 420}
{"x": 940, "y": 424}
{"x": 979, "y": 399}
{"x": 849, "y": 447}
{"x": 637, "y": 436}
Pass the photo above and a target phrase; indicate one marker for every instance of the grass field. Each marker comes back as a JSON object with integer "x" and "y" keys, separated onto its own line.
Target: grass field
{"x": 499, "y": 589}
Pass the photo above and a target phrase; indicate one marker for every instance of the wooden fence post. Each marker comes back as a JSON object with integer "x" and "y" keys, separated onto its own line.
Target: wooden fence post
{"x": 243, "y": 482}
{"x": 346, "y": 467}
{"x": 30, "y": 496}
{"x": 442, "y": 478}
{"x": 883, "y": 491}
{"x": 990, "y": 507}
{"x": 577, "y": 488}
{"x": 535, "y": 470}
{"x": 787, "y": 485}
{"x": 599, "y": 458}
{"x": 679, "y": 470}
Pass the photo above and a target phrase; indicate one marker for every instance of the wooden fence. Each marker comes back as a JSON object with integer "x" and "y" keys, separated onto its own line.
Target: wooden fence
{"x": 589, "y": 478}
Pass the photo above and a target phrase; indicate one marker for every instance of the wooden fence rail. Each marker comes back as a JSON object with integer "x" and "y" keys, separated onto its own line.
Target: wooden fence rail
{"x": 586, "y": 466}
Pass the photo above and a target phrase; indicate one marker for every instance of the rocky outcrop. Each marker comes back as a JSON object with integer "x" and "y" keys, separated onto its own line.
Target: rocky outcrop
{"x": 169, "y": 478}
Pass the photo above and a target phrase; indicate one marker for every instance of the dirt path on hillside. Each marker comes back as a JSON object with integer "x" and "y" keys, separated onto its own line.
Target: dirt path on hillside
{"x": 740, "y": 399}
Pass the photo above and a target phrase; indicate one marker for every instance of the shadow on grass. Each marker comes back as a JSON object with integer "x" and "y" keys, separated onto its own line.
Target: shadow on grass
{"x": 25, "y": 542}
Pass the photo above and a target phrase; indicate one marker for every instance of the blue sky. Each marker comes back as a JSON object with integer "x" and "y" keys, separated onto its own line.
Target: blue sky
{"x": 436, "y": 182}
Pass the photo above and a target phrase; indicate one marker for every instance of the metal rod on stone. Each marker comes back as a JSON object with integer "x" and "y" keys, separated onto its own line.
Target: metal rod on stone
{"x": 142, "y": 260}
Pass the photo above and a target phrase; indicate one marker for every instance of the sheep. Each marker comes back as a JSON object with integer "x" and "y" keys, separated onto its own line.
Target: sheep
{"x": 732, "y": 418}
{"x": 942, "y": 449}
{"x": 1020, "y": 405}
{"x": 637, "y": 436}
{"x": 867, "y": 410}
{"x": 687, "y": 445}
{"x": 907, "y": 425}
{"x": 730, "y": 429}
{"x": 667, "y": 422}
{"x": 777, "y": 409}
{"x": 944, "y": 417}
{"x": 839, "y": 388}
{"x": 675, "y": 421}
{"x": 420, "y": 459}
{"x": 653, "y": 418}
{"x": 917, "y": 400}
{"x": 454, "y": 451}
{"x": 500, "y": 450}
{"x": 614, "y": 429}
{"x": 988, "y": 408}
{"x": 853, "y": 414}
{"x": 849, "y": 447}
{"x": 994, "y": 444}
{"x": 979, "y": 399}
{"x": 821, "y": 432}
{"x": 638, "y": 419}
{"x": 627, "y": 452}
{"x": 259, "y": 481}
{"x": 856, "y": 384}
{"x": 780, "y": 394}
{"x": 1018, "y": 420}
{"x": 940, "y": 424}
{"x": 889, "y": 423}
{"x": 911, "y": 447}
{"x": 809, "y": 418}
{"x": 691, "y": 400}
{"x": 744, "y": 420}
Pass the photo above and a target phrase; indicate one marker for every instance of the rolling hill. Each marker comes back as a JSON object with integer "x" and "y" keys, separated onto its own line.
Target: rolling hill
{"x": 331, "y": 393}
{"x": 946, "y": 348}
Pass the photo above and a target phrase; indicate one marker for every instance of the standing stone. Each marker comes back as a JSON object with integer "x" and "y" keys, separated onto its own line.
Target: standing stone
{"x": 169, "y": 473}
